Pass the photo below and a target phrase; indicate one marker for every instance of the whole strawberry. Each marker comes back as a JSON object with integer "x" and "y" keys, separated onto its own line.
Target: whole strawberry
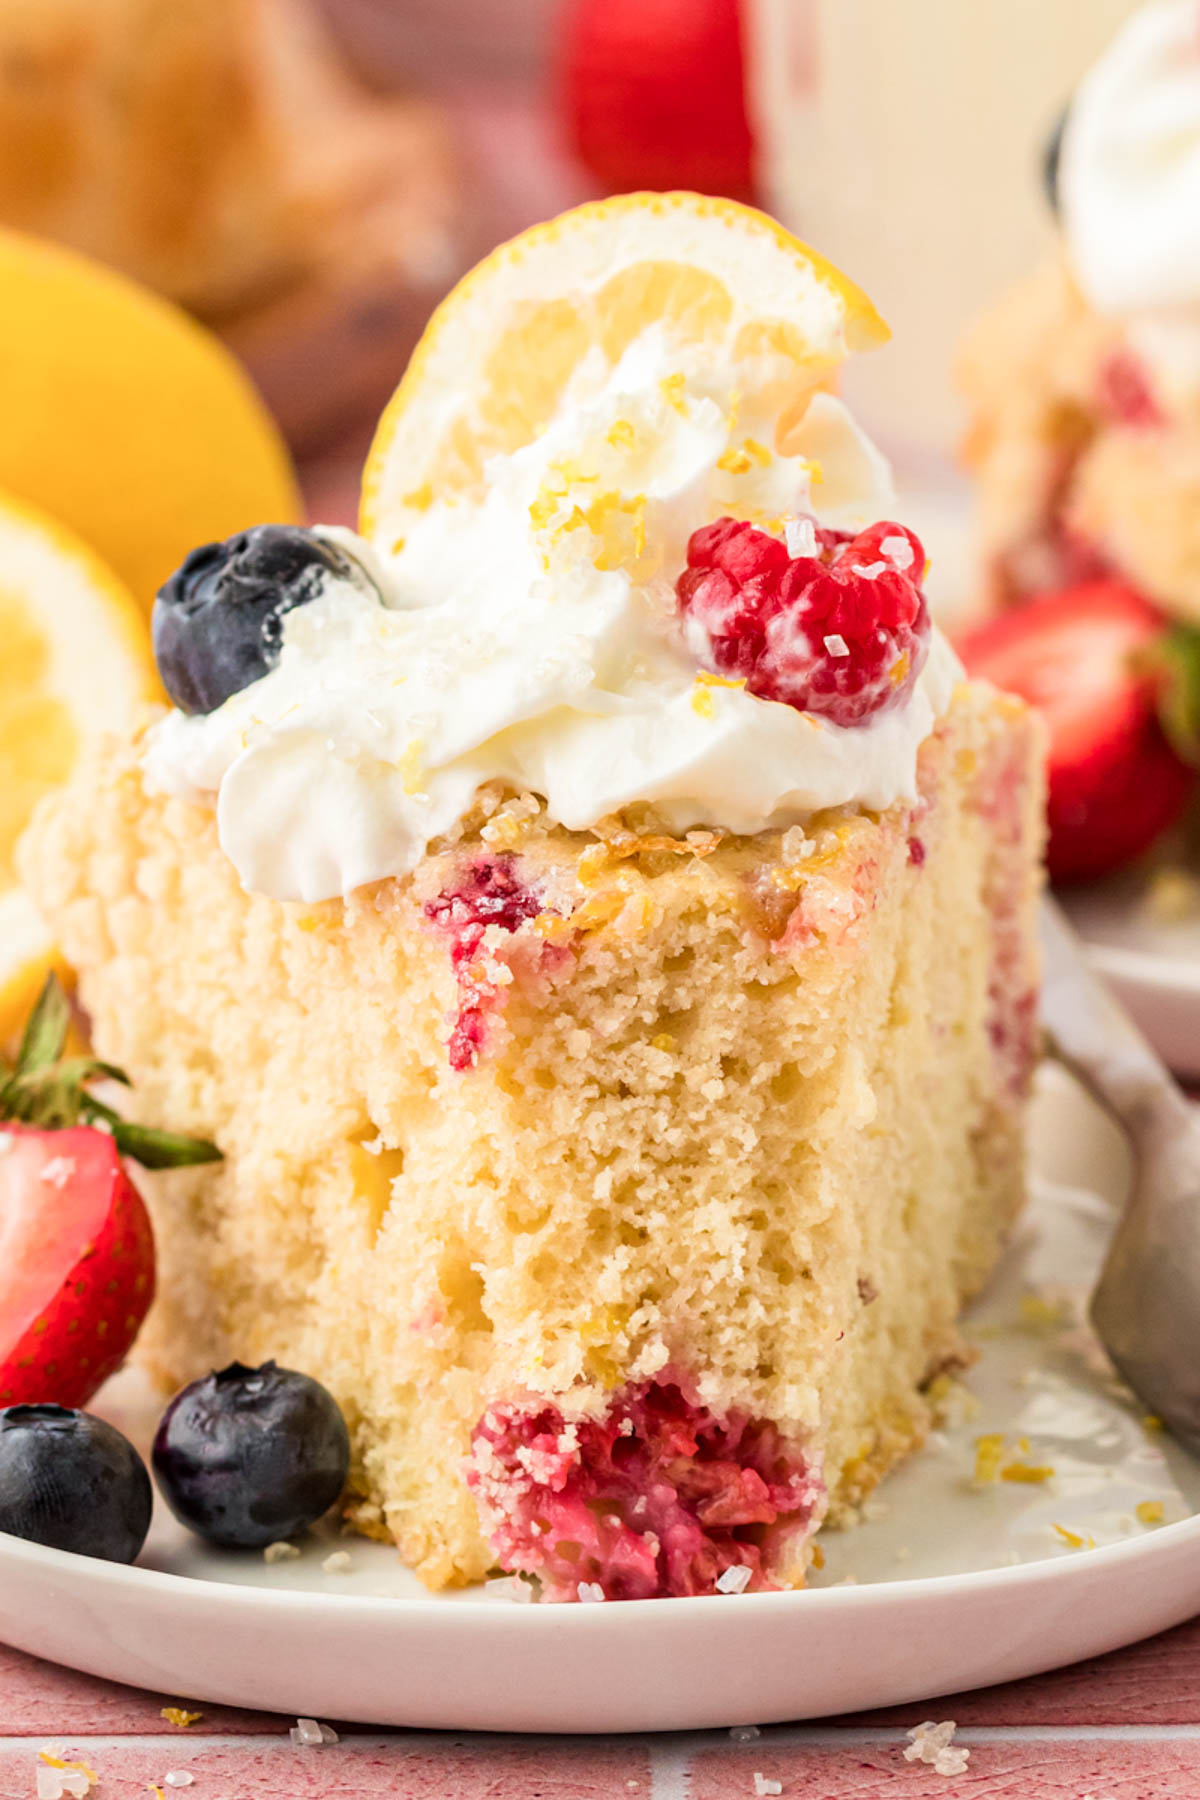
{"x": 1098, "y": 663}
{"x": 654, "y": 94}
{"x": 76, "y": 1247}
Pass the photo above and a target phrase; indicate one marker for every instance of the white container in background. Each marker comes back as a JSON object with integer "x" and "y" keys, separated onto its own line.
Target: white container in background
{"x": 904, "y": 138}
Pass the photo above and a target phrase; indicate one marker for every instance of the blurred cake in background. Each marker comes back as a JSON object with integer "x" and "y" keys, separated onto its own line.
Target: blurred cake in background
{"x": 1084, "y": 381}
{"x": 1084, "y": 438}
{"x": 223, "y": 152}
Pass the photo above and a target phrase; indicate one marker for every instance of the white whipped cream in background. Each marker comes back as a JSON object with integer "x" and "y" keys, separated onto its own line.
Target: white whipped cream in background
{"x": 503, "y": 652}
{"x": 1130, "y": 188}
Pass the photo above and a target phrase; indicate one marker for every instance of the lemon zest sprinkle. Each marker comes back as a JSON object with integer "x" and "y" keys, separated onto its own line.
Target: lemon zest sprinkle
{"x": 1074, "y": 1540}
{"x": 818, "y": 1557}
{"x": 543, "y": 508}
{"x": 1027, "y": 1472}
{"x": 412, "y": 766}
{"x": 621, "y": 435}
{"x": 989, "y": 1456}
{"x": 671, "y": 387}
{"x": 180, "y": 1716}
{"x": 421, "y": 498}
{"x": 1149, "y": 1512}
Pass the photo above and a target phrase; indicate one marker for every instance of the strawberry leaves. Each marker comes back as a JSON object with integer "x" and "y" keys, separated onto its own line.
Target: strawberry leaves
{"x": 45, "y": 1089}
{"x": 1175, "y": 661}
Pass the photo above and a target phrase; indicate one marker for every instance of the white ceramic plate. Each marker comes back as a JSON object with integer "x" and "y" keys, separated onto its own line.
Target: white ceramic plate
{"x": 952, "y": 1586}
{"x": 1151, "y": 963}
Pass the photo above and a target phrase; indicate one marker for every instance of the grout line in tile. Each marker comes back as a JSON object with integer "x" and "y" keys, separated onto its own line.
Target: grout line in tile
{"x": 671, "y": 1753}
{"x": 671, "y": 1765}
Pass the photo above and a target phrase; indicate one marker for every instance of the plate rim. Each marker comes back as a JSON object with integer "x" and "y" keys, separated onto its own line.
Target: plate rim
{"x": 465, "y": 1608}
{"x": 1147, "y": 968}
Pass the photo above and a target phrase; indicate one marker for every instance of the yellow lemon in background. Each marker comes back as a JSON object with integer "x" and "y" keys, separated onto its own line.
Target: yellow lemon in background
{"x": 125, "y": 419}
{"x": 75, "y": 664}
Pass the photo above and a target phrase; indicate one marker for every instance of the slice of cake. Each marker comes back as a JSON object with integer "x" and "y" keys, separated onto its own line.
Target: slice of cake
{"x": 594, "y": 918}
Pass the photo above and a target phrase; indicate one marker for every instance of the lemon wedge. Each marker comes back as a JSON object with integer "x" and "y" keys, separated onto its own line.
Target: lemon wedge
{"x": 76, "y": 665}
{"x": 496, "y": 357}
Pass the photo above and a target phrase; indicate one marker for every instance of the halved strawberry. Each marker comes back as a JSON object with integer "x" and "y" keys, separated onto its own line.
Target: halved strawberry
{"x": 1084, "y": 658}
{"x": 76, "y": 1247}
{"x": 654, "y": 94}
{"x": 76, "y": 1263}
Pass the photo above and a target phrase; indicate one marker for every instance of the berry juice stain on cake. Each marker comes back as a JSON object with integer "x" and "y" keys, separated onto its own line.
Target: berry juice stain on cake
{"x": 490, "y": 895}
{"x": 659, "y": 1497}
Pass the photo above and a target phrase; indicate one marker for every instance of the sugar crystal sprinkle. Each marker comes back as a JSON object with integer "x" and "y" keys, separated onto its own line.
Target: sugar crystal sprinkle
{"x": 744, "y": 1734}
{"x": 590, "y": 1592}
{"x": 339, "y": 1562}
{"x": 280, "y": 1552}
{"x": 764, "y": 1785}
{"x": 178, "y": 1778}
{"x": 307, "y": 1734}
{"x": 734, "y": 1580}
{"x": 800, "y": 536}
{"x": 57, "y": 1778}
{"x": 930, "y": 1743}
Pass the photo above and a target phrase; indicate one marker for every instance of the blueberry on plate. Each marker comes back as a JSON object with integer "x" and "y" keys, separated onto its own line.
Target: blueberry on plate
{"x": 217, "y": 622}
{"x": 73, "y": 1482}
{"x": 246, "y": 1456}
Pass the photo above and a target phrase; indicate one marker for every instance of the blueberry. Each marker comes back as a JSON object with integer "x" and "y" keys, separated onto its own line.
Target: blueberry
{"x": 246, "y": 1456}
{"x": 218, "y": 620}
{"x": 1052, "y": 160}
{"x": 71, "y": 1481}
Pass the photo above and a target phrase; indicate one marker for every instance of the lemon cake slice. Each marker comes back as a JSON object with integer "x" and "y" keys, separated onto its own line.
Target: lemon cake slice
{"x": 594, "y": 917}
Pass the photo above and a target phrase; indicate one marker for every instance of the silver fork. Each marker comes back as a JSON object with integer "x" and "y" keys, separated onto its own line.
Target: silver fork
{"x": 1146, "y": 1307}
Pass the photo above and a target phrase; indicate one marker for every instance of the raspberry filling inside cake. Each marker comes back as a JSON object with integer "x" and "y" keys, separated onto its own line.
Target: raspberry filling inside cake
{"x": 489, "y": 897}
{"x": 660, "y": 1496}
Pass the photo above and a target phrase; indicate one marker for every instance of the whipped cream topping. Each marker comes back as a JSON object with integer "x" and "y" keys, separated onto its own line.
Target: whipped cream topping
{"x": 530, "y": 636}
{"x": 1130, "y": 185}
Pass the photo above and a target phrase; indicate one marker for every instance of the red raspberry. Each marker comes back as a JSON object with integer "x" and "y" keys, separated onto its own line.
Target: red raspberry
{"x": 1124, "y": 391}
{"x": 843, "y": 632}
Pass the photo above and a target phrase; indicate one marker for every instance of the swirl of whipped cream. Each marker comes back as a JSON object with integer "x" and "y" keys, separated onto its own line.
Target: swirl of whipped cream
{"x": 531, "y": 637}
{"x": 1130, "y": 172}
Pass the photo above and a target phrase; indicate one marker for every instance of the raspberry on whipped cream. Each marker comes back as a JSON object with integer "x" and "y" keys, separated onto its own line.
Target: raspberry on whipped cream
{"x": 842, "y": 632}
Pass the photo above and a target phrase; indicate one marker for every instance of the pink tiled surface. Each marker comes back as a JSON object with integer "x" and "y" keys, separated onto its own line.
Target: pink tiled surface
{"x": 1122, "y": 1727}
